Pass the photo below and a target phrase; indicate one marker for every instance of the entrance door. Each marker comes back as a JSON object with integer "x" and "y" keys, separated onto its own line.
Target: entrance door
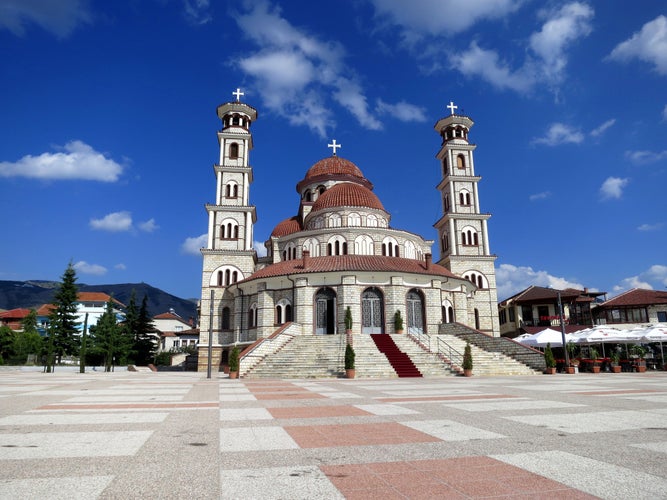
{"x": 415, "y": 312}
{"x": 371, "y": 311}
{"x": 325, "y": 312}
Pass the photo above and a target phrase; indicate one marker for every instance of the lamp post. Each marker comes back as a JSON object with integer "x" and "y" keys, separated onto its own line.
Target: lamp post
{"x": 210, "y": 339}
{"x": 562, "y": 330}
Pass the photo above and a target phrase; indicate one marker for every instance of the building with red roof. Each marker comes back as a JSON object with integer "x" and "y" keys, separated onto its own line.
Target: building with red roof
{"x": 340, "y": 251}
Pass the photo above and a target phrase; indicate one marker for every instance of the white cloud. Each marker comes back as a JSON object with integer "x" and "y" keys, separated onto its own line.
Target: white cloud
{"x": 114, "y": 222}
{"x": 644, "y": 157}
{"x": 561, "y": 28}
{"x": 612, "y": 188}
{"x": 78, "y": 161}
{"x": 149, "y": 226}
{"x": 478, "y": 62}
{"x": 60, "y": 18}
{"x": 650, "y": 227}
{"x": 654, "y": 277}
{"x": 259, "y": 248}
{"x": 648, "y": 45}
{"x": 442, "y": 17}
{"x": 296, "y": 72}
{"x": 560, "y": 133}
{"x": 664, "y": 114}
{"x": 120, "y": 267}
{"x": 402, "y": 111}
{"x": 84, "y": 267}
{"x": 540, "y": 196}
{"x": 192, "y": 246}
{"x": 597, "y": 132}
{"x": 512, "y": 279}
{"x": 196, "y": 11}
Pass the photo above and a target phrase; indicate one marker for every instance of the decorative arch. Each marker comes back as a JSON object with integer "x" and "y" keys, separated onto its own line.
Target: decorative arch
{"x": 409, "y": 250}
{"x": 325, "y": 311}
{"x": 334, "y": 220}
{"x": 229, "y": 229}
{"x": 283, "y": 311}
{"x": 252, "y": 315}
{"x": 390, "y": 247}
{"x": 289, "y": 252}
{"x": 477, "y": 279}
{"x": 363, "y": 245}
{"x": 465, "y": 198}
{"x": 312, "y": 246}
{"x": 461, "y": 161}
{"x": 447, "y": 312}
{"x": 354, "y": 219}
{"x": 232, "y": 189}
{"x": 469, "y": 236}
{"x": 372, "y": 220}
{"x": 337, "y": 245}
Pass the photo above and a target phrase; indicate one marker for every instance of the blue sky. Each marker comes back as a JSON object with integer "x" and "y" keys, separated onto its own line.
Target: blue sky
{"x": 109, "y": 127}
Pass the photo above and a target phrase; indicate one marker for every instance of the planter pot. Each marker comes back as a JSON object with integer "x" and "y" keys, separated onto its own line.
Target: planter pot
{"x": 569, "y": 369}
{"x": 350, "y": 372}
{"x": 641, "y": 368}
{"x": 467, "y": 373}
{"x": 596, "y": 368}
{"x": 616, "y": 369}
{"x": 399, "y": 331}
{"x": 225, "y": 368}
{"x": 233, "y": 374}
{"x": 550, "y": 371}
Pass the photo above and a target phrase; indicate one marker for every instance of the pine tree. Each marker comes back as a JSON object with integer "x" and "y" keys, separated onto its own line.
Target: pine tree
{"x": 109, "y": 339}
{"x": 131, "y": 324}
{"x": 28, "y": 341}
{"x": 63, "y": 326}
{"x": 144, "y": 344}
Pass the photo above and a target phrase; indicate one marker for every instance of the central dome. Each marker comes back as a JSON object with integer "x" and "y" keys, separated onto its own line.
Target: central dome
{"x": 347, "y": 194}
{"x": 333, "y": 165}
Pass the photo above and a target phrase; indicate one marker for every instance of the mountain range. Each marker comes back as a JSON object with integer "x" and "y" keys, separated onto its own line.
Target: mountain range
{"x": 34, "y": 293}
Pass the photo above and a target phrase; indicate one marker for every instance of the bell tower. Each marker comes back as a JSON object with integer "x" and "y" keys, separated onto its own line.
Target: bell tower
{"x": 229, "y": 255}
{"x": 463, "y": 234}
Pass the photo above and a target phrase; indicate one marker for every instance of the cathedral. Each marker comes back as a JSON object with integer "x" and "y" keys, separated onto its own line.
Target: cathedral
{"x": 340, "y": 251}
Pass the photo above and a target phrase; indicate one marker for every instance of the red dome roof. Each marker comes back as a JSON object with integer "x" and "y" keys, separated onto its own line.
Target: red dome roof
{"x": 347, "y": 194}
{"x": 288, "y": 226}
{"x": 334, "y": 165}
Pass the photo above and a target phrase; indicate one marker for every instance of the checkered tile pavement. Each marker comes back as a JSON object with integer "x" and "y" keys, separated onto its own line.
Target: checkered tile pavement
{"x": 179, "y": 435}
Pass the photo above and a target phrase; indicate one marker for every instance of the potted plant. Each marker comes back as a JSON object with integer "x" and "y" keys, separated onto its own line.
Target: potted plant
{"x": 549, "y": 360}
{"x": 467, "y": 361}
{"x": 398, "y": 321}
{"x": 350, "y": 371}
{"x": 234, "y": 362}
{"x": 639, "y": 352}
{"x": 574, "y": 362}
{"x": 593, "y": 352}
{"x": 348, "y": 320}
{"x": 615, "y": 362}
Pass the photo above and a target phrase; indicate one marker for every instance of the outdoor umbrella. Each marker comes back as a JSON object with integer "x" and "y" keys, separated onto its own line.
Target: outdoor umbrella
{"x": 656, "y": 333}
{"x": 541, "y": 339}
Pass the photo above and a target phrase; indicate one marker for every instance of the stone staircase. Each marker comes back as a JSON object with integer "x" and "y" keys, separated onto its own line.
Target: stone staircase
{"x": 428, "y": 363}
{"x": 500, "y": 345}
{"x": 303, "y": 356}
{"x": 369, "y": 361}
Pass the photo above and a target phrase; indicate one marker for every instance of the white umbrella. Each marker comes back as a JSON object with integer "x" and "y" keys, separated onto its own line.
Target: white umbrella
{"x": 541, "y": 339}
{"x": 656, "y": 333}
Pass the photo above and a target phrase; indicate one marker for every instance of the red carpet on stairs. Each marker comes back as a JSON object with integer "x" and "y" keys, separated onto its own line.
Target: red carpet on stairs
{"x": 400, "y": 361}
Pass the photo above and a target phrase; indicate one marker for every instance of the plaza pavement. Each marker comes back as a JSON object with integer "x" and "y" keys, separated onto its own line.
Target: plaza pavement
{"x": 180, "y": 435}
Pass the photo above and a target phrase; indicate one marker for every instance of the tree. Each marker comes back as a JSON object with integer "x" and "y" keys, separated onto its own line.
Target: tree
{"x": 63, "y": 326}
{"x": 29, "y": 340}
{"x": 6, "y": 341}
{"x": 144, "y": 344}
{"x": 109, "y": 339}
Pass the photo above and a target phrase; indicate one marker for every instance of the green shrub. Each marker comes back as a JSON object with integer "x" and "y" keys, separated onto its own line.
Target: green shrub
{"x": 549, "y": 357}
{"x": 348, "y": 318}
{"x": 398, "y": 320}
{"x": 234, "y": 359}
{"x": 467, "y": 357}
{"x": 349, "y": 357}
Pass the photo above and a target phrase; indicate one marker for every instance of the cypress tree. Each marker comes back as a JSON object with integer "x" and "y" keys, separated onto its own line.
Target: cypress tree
{"x": 63, "y": 326}
{"x": 144, "y": 345}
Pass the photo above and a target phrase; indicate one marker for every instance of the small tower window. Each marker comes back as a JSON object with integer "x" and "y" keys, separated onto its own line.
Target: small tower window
{"x": 226, "y": 318}
{"x": 236, "y": 120}
{"x": 460, "y": 161}
{"x": 234, "y": 150}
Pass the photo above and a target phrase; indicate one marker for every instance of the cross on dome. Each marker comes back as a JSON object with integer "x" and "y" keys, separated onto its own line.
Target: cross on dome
{"x": 238, "y": 94}
{"x": 334, "y": 146}
{"x": 451, "y": 106}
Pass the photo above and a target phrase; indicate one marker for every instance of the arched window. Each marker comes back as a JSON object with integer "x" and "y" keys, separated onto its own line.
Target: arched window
{"x": 445, "y": 241}
{"x": 469, "y": 237}
{"x": 289, "y": 253}
{"x": 226, "y": 319}
{"x": 447, "y": 312}
{"x": 236, "y": 120}
{"x": 353, "y": 220}
{"x": 229, "y": 229}
{"x": 252, "y": 316}
{"x": 334, "y": 220}
{"x": 231, "y": 190}
{"x": 464, "y": 198}
{"x": 363, "y": 245}
{"x": 225, "y": 276}
{"x": 337, "y": 246}
{"x": 220, "y": 278}
{"x": 461, "y": 161}
{"x": 233, "y": 150}
{"x": 371, "y": 221}
{"x": 283, "y": 312}
{"x": 445, "y": 202}
{"x": 325, "y": 312}
{"x": 390, "y": 247}
{"x": 476, "y": 319}
{"x": 308, "y": 196}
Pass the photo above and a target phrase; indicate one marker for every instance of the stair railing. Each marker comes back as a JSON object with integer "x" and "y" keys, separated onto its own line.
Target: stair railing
{"x": 420, "y": 337}
{"x": 448, "y": 352}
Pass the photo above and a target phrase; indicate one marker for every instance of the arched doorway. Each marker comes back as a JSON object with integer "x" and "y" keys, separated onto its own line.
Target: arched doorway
{"x": 415, "y": 312}
{"x": 325, "y": 312}
{"x": 372, "y": 307}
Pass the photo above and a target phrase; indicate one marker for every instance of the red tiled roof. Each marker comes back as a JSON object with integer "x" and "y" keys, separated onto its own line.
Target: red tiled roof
{"x": 347, "y": 194}
{"x": 539, "y": 293}
{"x": 288, "y": 226}
{"x": 637, "y": 297}
{"x": 351, "y": 263}
{"x": 168, "y": 315}
{"x": 96, "y": 297}
{"x": 19, "y": 313}
{"x": 334, "y": 165}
